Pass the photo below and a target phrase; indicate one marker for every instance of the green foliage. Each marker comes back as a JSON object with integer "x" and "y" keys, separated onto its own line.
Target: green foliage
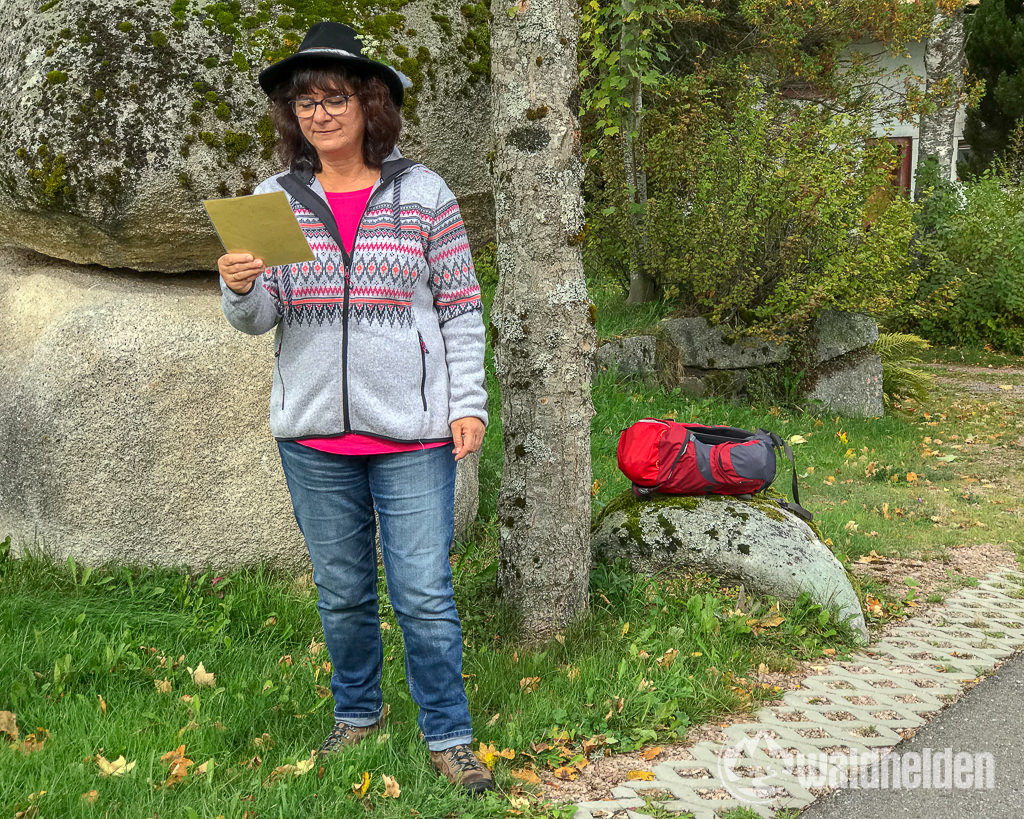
{"x": 756, "y": 211}
{"x": 749, "y": 221}
{"x": 971, "y": 252}
{"x": 995, "y": 54}
{"x": 900, "y": 380}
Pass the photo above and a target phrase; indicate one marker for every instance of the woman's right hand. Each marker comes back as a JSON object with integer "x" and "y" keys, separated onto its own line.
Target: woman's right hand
{"x": 239, "y": 271}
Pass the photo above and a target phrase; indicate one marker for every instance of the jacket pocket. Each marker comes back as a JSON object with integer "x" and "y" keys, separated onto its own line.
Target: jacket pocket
{"x": 277, "y": 363}
{"x": 423, "y": 369}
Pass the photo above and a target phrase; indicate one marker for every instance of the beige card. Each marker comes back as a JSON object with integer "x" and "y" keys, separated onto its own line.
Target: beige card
{"x": 262, "y": 224}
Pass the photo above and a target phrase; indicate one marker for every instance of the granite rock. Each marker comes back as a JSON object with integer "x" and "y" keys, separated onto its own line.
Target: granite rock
{"x": 134, "y": 423}
{"x": 840, "y": 333}
{"x": 849, "y": 385}
{"x": 121, "y": 117}
{"x": 766, "y": 548}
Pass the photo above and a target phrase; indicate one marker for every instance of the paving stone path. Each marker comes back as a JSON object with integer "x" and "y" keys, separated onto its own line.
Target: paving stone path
{"x": 856, "y": 708}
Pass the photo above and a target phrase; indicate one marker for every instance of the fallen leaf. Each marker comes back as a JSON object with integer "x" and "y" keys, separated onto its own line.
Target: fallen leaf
{"x": 650, "y": 753}
{"x": 177, "y": 766}
{"x": 851, "y": 526}
{"x": 34, "y": 742}
{"x": 873, "y": 557}
{"x": 201, "y": 770}
{"x": 90, "y": 796}
{"x": 669, "y": 657}
{"x": 391, "y": 787}
{"x": 643, "y": 776}
{"x": 163, "y": 686}
{"x": 200, "y": 676}
{"x": 526, "y": 775}
{"x": 1006, "y": 386}
{"x": 117, "y": 767}
{"x": 489, "y": 754}
{"x": 528, "y": 684}
{"x": 103, "y": 704}
{"x": 285, "y": 660}
{"x": 9, "y": 725}
{"x": 797, "y": 439}
{"x": 305, "y": 765}
{"x": 265, "y": 741}
{"x": 191, "y": 725}
{"x": 911, "y": 477}
{"x": 567, "y": 772}
{"x": 493, "y": 719}
{"x": 625, "y": 629}
{"x": 362, "y": 786}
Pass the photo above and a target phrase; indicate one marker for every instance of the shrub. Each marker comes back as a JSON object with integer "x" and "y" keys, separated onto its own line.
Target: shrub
{"x": 971, "y": 251}
{"x": 760, "y": 213}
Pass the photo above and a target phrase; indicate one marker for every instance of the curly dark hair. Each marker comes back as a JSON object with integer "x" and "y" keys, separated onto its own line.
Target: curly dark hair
{"x": 382, "y": 117}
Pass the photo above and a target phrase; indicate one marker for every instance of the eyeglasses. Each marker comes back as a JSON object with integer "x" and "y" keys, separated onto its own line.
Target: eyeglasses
{"x": 334, "y": 106}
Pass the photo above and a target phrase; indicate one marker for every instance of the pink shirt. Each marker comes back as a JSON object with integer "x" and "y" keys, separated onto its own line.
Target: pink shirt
{"x": 348, "y": 209}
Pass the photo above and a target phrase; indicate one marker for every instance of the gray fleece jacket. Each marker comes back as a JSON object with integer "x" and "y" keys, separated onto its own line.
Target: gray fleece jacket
{"x": 389, "y": 342}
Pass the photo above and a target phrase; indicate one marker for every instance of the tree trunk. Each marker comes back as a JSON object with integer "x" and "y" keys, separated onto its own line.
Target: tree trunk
{"x": 541, "y": 319}
{"x": 943, "y": 61}
{"x": 642, "y": 287}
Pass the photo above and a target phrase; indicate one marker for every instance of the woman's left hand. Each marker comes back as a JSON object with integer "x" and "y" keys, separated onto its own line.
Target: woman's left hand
{"x": 469, "y": 436}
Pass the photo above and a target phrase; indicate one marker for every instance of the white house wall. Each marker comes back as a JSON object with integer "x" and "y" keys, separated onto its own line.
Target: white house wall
{"x": 893, "y": 77}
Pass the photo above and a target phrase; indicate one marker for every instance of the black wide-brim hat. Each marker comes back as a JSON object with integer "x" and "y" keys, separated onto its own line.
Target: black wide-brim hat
{"x": 326, "y": 43}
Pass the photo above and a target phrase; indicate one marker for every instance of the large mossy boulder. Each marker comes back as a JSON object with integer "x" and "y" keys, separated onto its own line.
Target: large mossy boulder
{"x": 120, "y": 117}
{"x": 133, "y": 424}
{"x": 755, "y": 542}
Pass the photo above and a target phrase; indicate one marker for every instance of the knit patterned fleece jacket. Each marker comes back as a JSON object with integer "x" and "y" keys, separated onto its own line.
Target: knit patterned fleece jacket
{"x": 389, "y": 342}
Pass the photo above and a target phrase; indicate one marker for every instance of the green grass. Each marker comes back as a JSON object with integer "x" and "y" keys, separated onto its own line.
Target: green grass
{"x": 77, "y": 638}
{"x": 616, "y": 318}
{"x": 970, "y": 355}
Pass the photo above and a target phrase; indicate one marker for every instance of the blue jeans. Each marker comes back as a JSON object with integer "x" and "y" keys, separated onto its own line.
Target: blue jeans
{"x": 414, "y": 493}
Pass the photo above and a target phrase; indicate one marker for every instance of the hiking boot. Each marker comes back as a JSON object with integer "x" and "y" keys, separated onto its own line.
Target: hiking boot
{"x": 344, "y": 735}
{"x": 460, "y": 766}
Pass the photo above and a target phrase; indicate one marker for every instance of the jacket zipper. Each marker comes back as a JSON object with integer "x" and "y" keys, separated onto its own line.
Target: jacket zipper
{"x": 423, "y": 369}
{"x": 347, "y": 259}
{"x": 277, "y": 361}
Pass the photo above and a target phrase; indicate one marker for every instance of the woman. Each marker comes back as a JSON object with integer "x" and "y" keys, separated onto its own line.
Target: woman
{"x": 378, "y": 384}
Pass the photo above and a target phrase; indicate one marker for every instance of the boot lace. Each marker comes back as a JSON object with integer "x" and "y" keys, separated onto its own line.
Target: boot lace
{"x": 340, "y": 735}
{"x": 462, "y": 758}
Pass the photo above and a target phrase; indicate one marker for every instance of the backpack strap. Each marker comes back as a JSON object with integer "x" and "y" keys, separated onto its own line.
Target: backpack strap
{"x": 795, "y": 506}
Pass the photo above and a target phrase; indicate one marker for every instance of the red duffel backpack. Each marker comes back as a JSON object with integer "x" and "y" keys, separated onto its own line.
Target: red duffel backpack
{"x": 692, "y": 459}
